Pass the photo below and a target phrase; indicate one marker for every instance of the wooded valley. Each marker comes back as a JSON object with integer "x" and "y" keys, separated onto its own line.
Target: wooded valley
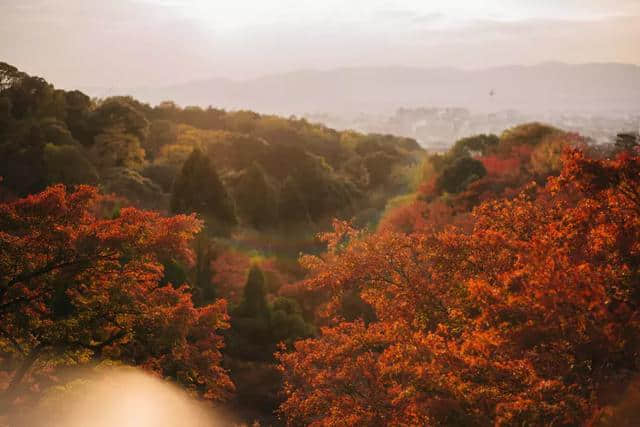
{"x": 291, "y": 274}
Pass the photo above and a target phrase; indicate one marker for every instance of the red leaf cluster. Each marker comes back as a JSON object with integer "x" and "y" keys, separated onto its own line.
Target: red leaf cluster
{"x": 79, "y": 287}
{"x": 532, "y": 318}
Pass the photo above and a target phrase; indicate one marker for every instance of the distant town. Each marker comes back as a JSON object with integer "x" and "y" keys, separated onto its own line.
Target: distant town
{"x": 436, "y": 129}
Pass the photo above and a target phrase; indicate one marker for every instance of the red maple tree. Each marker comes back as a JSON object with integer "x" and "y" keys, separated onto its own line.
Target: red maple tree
{"x": 78, "y": 286}
{"x": 532, "y": 318}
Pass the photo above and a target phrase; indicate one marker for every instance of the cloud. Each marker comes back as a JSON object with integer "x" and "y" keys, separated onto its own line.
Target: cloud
{"x": 428, "y": 18}
{"x": 485, "y": 42}
{"x": 156, "y": 42}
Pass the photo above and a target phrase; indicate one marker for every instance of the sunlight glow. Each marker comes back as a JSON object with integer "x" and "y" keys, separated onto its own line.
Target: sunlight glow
{"x": 123, "y": 397}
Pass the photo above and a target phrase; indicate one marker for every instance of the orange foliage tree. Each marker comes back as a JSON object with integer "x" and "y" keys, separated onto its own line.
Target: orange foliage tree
{"x": 77, "y": 287}
{"x": 230, "y": 269}
{"x": 531, "y": 318}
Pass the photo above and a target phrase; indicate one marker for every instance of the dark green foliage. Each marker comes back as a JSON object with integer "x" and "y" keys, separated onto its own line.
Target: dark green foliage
{"x": 249, "y": 338}
{"x": 477, "y": 144}
{"x": 120, "y": 113}
{"x": 323, "y": 191}
{"x": 199, "y": 189}
{"x": 292, "y": 208}
{"x": 133, "y": 186}
{"x": 175, "y": 273}
{"x": 254, "y": 302}
{"x": 67, "y": 164}
{"x": 161, "y": 133}
{"x": 283, "y": 171}
{"x": 44, "y": 132}
{"x": 9, "y": 75}
{"x": 34, "y": 97}
{"x": 378, "y": 166}
{"x": 77, "y": 117}
{"x": 162, "y": 173}
{"x": 320, "y": 193}
{"x": 257, "y": 326}
{"x": 237, "y": 151}
{"x": 287, "y": 323}
{"x": 356, "y": 170}
{"x": 255, "y": 198}
{"x": 469, "y": 147}
{"x": 56, "y": 132}
{"x": 21, "y": 157}
{"x": 459, "y": 174}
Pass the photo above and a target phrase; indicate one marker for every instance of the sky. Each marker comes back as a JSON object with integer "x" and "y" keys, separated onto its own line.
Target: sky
{"x": 133, "y": 43}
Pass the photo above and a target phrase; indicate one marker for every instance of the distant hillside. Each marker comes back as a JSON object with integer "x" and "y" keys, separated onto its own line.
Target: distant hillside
{"x": 545, "y": 87}
{"x": 235, "y": 168}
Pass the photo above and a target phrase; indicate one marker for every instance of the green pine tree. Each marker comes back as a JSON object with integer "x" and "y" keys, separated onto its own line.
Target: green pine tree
{"x": 198, "y": 188}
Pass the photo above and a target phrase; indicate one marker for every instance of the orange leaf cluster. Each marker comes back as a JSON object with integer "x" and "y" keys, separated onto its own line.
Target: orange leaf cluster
{"x": 78, "y": 287}
{"x": 529, "y": 319}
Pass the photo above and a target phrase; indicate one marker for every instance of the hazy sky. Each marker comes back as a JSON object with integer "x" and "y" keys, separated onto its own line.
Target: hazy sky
{"x": 121, "y": 43}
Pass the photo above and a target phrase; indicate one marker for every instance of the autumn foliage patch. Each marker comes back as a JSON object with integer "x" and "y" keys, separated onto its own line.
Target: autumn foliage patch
{"x": 531, "y": 318}
{"x": 79, "y": 286}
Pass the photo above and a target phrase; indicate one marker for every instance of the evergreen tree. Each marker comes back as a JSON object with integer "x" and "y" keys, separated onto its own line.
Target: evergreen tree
{"x": 292, "y": 206}
{"x": 249, "y": 337}
{"x": 198, "y": 188}
{"x": 254, "y": 302}
{"x": 255, "y": 198}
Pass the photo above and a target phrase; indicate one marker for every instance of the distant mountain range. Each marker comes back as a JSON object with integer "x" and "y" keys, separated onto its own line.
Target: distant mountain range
{"x": 546, "y": 87}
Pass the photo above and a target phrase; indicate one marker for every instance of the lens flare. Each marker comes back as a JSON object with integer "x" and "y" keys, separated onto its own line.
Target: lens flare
{"x": 123, "y": 397}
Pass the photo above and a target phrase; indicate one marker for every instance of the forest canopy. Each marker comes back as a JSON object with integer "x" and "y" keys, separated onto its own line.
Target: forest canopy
{"x": 496, "y": 283}
{"x": 48, "y": 136}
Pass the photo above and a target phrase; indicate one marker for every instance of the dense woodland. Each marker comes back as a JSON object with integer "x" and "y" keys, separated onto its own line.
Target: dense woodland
{"x": 497, "y": 283}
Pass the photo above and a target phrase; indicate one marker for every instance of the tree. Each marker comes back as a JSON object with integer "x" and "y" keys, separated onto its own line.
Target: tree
{"x": 459, "y": 174}
{"x": 627, "y": 141}
{"x": 257, "y": 326}
{"x": 77, "y": 287}
{"x": 136, "y": 188}
{"x": 249, "y": 336}
{"x": 525, "y": 134}
{"x": 161, "y": 133}
{"x": 254, "y": 301}
{"x": 378, "y": 165}
{"x": 255, "y": 198}
{"x": 480, "y": 144}
{"x": 287, "y": 322}
{"x": 21, "y": 158}
{"x": 77, "y": 116}
{"x": 32, "y": 97}
{"x": 199, "y": 189}
{"x": 66, "y": 164}
{"x": 9, "y": 75}
{"x": 530, "y": 318}
{"x": 292, "y": 208}
{"x": 546, "y": 159}
{"x": 356, "y": 170}
{"x": 122, "y": 113}
{"x": 114, "y": 147}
